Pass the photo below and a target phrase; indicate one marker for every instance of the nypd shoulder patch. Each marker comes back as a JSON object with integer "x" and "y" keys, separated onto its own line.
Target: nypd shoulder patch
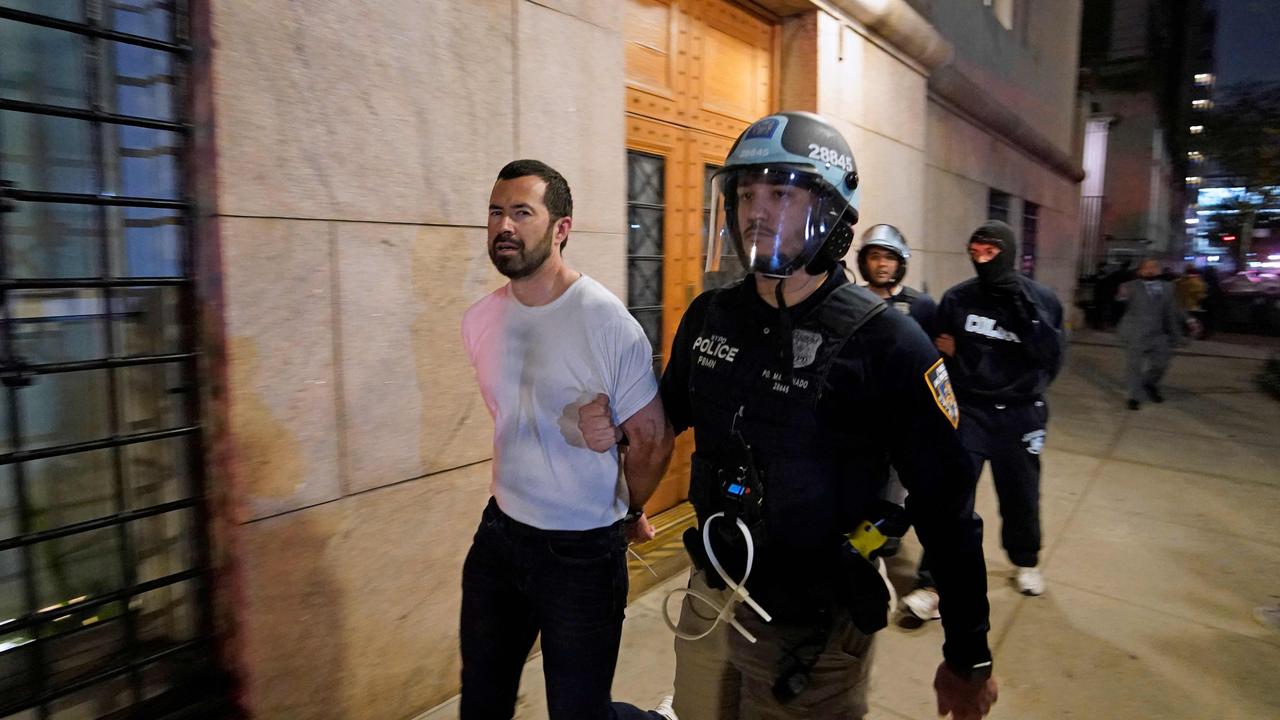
{"x": 939, "y": 383}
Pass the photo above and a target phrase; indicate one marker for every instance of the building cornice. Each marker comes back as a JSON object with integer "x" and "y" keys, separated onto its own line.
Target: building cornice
{"x": 910, "y": 33}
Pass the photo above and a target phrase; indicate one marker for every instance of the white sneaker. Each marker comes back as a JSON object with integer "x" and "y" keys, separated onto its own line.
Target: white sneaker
{"x": 664, "y": 709}
{"x": 1030, "y": 581}
{"x": 923, "y": 603}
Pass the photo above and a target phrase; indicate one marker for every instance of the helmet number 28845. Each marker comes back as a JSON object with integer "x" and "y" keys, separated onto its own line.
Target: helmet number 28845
{"x": 831, "y": 157}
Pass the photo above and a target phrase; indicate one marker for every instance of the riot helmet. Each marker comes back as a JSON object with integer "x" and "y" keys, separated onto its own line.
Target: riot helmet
{"x": 889, "y": 238}
{"x": 786, "y": 198}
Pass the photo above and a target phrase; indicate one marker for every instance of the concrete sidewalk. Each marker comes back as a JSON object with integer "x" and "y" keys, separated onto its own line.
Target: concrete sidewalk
{"x": 1162, "y": 533}
{"x": 1230, "y": 345}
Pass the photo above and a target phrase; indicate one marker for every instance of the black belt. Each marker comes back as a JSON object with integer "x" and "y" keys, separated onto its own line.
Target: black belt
{"x": 517, "y": 529}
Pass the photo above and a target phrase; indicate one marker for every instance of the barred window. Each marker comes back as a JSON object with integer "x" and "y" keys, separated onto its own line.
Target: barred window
{"x": 645, "y": 252}
{"x": 103, "y": 557}
{"x": 1030, "y": 219}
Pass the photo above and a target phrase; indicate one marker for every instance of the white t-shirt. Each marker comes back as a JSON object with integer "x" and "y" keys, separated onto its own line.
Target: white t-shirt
{"x": 536, "y": 366}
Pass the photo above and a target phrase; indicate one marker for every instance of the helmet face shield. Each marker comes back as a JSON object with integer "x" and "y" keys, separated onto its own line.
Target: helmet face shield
{"x": 774, "y": 218}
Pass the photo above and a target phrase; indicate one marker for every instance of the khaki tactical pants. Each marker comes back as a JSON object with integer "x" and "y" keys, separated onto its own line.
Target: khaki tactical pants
{"x": 725, "y": 677}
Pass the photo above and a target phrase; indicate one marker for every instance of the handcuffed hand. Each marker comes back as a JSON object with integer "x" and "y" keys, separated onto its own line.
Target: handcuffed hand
{"x": 595, "y": 422}
{"x": 639, "y": 531}
{"x": 961, "y": 698}
{"x": 946, "y": 344}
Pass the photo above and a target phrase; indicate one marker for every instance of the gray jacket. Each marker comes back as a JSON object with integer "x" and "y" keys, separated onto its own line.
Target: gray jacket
{"x": 1150, "y": 318}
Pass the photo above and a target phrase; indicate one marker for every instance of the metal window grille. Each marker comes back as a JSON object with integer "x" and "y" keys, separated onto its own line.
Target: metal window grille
{"x": 104, "y": 581}
{"x": 1030, "y": 220}
{"x": 645, "y": 251}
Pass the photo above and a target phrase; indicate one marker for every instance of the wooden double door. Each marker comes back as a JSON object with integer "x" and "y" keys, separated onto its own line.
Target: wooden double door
{"x": 698, "y": 73}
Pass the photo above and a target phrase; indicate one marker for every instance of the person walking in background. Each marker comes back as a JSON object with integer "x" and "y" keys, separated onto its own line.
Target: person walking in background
{"x": 1150, "y": 328}
{"x": 1190, "y": 290}
{"x": 1212, "y": 302}
{"x": 1096, "y": 306}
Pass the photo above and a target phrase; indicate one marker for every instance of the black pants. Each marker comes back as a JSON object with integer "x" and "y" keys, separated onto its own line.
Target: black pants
{"x": 1011, "y": 438}
{"x": 570, "y": 586}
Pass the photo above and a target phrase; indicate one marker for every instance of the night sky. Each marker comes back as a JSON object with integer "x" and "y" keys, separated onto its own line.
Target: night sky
{"x": 1248, "y": 43}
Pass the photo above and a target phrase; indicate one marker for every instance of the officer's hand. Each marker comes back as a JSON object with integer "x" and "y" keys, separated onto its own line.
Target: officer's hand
{"x": 946, "y": 344}
{"x": 963, "y": 699}
{"x": 641, "y": 530}
{"x": 595, "y": 422}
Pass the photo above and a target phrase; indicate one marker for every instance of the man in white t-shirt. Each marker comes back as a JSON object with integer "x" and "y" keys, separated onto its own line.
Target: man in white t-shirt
{"x": 549, "y": 556}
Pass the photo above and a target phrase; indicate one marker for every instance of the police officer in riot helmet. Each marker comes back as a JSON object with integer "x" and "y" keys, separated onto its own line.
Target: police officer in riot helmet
{"x": 785, "y": 596}
{"x": 882, "y": 262}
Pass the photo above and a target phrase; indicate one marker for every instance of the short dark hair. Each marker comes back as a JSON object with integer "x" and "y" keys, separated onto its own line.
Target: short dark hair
{"x": 558, "y": 199}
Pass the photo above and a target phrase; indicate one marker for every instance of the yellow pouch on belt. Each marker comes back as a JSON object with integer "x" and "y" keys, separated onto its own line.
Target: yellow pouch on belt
{"x": 866, "y": 539}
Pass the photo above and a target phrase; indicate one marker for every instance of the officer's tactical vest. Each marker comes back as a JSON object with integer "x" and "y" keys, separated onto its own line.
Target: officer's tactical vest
{"x": 810, "y": 470}
{"x": 903, "y": 301}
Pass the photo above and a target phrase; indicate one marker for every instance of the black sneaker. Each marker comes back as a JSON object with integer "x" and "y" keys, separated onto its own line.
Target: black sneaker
{"x": 1154, "y": 392}
{"x": 1133, "y": 405}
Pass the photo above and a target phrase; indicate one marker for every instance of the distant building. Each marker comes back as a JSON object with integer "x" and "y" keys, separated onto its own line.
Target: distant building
{"x": 1138, "y": 60}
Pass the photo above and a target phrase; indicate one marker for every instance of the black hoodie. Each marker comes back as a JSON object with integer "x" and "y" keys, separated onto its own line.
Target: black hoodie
{"x": 1007, "y": 328}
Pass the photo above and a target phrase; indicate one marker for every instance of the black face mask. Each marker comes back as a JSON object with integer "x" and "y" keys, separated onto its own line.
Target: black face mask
{"x": 999, "y": 274}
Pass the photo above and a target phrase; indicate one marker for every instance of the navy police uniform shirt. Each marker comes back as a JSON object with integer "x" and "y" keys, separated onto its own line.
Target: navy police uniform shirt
{"x": 886, "y": 389}
{"x": 917, "y": 305}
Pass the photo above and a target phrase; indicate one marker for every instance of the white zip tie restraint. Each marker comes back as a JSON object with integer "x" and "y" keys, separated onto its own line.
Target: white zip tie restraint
{"x": 639, "y": 559}
{"x": 740, "y": 594}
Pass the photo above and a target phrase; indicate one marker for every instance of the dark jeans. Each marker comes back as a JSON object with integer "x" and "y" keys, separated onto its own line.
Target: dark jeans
{"x": 570, "y": 586}
{"x": 1011, "y": 437}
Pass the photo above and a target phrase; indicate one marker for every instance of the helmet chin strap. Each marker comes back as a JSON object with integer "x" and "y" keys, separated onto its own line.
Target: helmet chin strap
{"x": 785, "y": 351}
